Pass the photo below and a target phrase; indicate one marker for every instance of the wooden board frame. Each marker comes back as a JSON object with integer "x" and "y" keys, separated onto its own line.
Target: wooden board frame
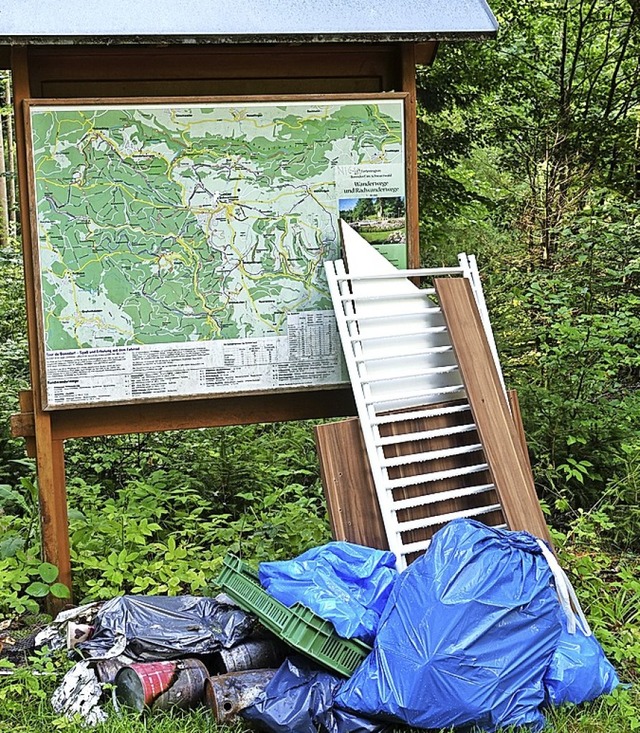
{"x": 348, "y": 485}
{"x": 502, "y": 439}
{"x": 115, "y": 103}
{"x": 83, "y": 71}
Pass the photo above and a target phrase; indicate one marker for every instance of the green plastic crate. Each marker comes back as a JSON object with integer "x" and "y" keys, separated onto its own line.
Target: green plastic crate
{"x": 240, "y": 581}
{"x": 298, "y": 626}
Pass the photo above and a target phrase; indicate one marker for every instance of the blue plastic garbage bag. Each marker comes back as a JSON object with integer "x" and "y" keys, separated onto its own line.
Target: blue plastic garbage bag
{"x": 300, "y": 699}
{"x": 579, "y": 670}
{"x": 466, "y": 636}
{"x": 343, "y": 583}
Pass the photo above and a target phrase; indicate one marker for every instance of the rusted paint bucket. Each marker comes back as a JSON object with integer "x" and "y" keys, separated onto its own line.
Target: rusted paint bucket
{"x": 107, "y": 669}
{"x": 227, "y": 694}
{"x": 161, "y": 685}
{"x": 260, "y": 654}
{"x": 187, "y": 689}
{"x": 138, "y": 685}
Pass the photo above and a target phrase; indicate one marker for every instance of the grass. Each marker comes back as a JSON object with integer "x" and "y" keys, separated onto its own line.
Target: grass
{"x": 41, "y": 719}
{"x": 617, "y": 713}
{"x": 25, "y": 708}
{"x": 375, "y": 237}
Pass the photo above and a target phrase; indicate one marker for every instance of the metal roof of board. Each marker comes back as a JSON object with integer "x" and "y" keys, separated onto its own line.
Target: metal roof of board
{"x": 239, "y": 21}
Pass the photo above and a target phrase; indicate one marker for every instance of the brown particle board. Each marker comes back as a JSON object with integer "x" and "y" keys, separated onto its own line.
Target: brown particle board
{"x": 348, "y": 485}
{"x": 499, "y": 436}
{"x": 350, "y": 492}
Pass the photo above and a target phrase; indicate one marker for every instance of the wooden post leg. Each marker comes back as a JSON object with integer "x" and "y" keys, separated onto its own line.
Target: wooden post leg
{"x": 53, "y": 504}
{"x": 411, "y": 145}
{"x": 514, "y": 403}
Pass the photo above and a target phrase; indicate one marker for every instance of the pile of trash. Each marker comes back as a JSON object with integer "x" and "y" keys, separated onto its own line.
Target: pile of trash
{"x": 482, "y": 630}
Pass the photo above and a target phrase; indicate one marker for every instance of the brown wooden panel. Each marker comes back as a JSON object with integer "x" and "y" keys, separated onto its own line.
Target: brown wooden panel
{"x": 186, "y": 415}
{"x": 348, "y": 485}
{"x": 508, "y": 465}
{"x": 56, "y": 70}
{"x": 210, "y": 87}
{"x": 26, "y": 411}
{"x": 52, "y": 493}
{"x": 92, "y": 422}
{"x": 5, "y": 57}
{"x": 426, "y": 53}
{"x": 411, "y": 148}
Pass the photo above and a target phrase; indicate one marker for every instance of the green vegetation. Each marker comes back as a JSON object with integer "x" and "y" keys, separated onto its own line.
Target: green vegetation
{"x": 377, "y": 237}
{"x": 530, "y": 159}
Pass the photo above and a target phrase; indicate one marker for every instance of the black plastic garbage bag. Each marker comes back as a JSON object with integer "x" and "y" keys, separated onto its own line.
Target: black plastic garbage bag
{"x": 147, "y": 628}
{"x": 300, "y": 699}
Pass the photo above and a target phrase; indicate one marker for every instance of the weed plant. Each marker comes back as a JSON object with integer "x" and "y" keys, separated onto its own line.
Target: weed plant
{"x": 167, "y": 533}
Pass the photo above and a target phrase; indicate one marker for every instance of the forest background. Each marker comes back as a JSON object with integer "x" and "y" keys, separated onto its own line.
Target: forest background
{"x": 530, "y": 159}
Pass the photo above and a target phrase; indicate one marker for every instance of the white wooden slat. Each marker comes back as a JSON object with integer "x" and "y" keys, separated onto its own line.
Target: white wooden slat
{"x": 387, "y": 316}
{"x": 431, "y": 455}
{"x": 398, "y": 334}
{"x": 457, "y": 388}
{"x": 424, "y": 544}
{"x": 443, "y": 518}
{"x": 433, "y": 370}
{"x": 420, "y": 293}
{"x": 418, "y": 414}
{"x": 398, "y": 483}
{"x": 426, "y": 434}
{"x": 442, "y": 496}
{"x": 403, "y": 274}
{"x": 424, "y": 352}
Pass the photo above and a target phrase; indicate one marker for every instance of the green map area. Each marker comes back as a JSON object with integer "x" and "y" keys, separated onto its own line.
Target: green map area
{"x": 172, "y": 224}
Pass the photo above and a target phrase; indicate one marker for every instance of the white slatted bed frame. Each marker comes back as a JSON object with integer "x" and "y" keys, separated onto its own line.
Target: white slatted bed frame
{"x": 400, "y": 359}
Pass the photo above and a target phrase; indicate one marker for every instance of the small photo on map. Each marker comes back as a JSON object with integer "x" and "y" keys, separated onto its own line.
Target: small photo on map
{"x": 382, "y": 222}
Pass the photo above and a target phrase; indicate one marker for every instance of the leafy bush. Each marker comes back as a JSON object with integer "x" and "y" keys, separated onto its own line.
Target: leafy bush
{"x": 608, "y": 586}
{"x": 14, "y": 367}
{"x": 164, "y": 513}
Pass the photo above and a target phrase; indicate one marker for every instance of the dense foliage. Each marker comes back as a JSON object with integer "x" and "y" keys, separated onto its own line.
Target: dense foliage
{"x": 529, "y": 158}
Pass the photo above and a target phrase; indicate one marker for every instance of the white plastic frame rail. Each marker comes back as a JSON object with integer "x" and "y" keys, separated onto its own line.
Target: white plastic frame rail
{"x": 400, "y": 361}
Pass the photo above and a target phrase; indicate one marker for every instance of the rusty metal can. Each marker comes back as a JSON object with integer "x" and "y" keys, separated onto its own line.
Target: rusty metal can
{"x": 258, "y": 654}
{"x": 187, "y": 689}
{"x": 161, "y": 685}
{"x": 138, "y": 685}
{"x": 107, "y": 669}
{"x": 227, "y": 694}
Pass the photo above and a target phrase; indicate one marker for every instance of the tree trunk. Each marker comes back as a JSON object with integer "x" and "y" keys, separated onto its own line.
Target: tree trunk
{"x": 636, "y": 178}
{"x": 11, "y": 163}
{"x": 4, "y": 208}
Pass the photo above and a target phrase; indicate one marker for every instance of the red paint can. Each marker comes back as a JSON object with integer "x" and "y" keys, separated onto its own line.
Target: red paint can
{"x": 187, "y": 689}
{"x": 138, "y": 685}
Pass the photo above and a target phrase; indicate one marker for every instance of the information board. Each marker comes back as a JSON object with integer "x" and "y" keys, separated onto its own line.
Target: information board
{"x": 179, "y": 246}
